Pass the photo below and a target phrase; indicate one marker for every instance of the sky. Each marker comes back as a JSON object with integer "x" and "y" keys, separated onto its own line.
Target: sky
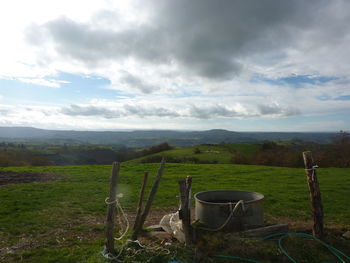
{"x": 239, "y": 65}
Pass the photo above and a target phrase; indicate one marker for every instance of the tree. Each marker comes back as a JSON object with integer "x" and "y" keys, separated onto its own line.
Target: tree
{"x": 196, "y": 150}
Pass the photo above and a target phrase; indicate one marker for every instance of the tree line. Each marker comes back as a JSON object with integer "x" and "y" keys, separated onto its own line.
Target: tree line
{"x": 335, "y": 154}
{"x": 12, "y": 154}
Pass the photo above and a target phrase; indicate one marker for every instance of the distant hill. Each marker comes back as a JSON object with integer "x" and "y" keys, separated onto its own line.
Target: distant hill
{"x": 145, "y": 138}
{"x": 205, "y": 153}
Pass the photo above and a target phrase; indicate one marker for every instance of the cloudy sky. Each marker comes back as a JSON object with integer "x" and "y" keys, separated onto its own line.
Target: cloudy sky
{"x": 240, "y": 65}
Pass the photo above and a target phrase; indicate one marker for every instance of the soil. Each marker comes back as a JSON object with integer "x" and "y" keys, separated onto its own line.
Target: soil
{"x": 25, "y": 177}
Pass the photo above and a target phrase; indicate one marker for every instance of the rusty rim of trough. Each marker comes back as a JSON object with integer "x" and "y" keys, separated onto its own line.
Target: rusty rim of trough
{"x": 259, "y": 197}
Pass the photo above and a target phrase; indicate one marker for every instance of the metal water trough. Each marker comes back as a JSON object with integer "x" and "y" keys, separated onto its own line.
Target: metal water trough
{"x": 214, "y": 209}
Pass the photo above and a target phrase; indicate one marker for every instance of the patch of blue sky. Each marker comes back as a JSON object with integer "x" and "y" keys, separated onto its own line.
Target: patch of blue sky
{"x": 294, "y": 80}
{"x": 299, "y": 79}
{"x": 343, "y": 98}
{"x": 187, "y": 93}
{"x": 73, "y": 89}
{"x": 347, "y": 97}
{"x": 92, "y": 85}
{"x": 88, "y": 81}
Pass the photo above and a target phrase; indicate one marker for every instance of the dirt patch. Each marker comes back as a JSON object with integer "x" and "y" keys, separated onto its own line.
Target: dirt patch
{"x": 26, "y": 177}
{"x": 74, "y": 232}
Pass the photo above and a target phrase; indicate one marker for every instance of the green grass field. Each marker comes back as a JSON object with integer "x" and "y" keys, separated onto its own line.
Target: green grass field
{"x": 62, "y": 221}
{"x": 220, "y": 153}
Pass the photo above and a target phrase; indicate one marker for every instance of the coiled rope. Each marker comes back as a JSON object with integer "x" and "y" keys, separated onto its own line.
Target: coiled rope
{"x": 117, "y": 258}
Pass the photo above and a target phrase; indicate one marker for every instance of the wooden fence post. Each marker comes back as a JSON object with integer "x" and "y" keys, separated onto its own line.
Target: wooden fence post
{"x": 139, "y": 205}
{"x": 111, "y": 211}
{"x": 148, "y": 205}
{"x": 315, "y": 194}
{"x": 185, "y": 208}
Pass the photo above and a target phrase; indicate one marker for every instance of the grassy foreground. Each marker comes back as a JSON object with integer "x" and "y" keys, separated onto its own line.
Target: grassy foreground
{"x": 62, "y": 221}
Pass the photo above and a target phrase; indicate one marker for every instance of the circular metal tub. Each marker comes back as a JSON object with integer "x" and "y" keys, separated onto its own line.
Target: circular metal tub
{"x": 213, "y": 208}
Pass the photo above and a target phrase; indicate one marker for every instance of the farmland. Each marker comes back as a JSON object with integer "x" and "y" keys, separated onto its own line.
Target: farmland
{"x": 283, "y": 153}
{"x": 205, "y": 153}
{"x": 62, "y": 220}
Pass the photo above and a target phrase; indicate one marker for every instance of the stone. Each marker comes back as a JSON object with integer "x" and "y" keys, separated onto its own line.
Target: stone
{"x": 162, "y": 235}
{"x": 346, "y": 235}
{"x": 155, "y": 228}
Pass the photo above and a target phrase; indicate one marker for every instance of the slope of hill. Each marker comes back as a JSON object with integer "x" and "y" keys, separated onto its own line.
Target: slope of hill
{"x": 204, "y": 153}
{"x": 144, "y": 138}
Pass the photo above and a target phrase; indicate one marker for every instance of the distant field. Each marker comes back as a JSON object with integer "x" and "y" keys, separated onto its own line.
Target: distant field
{"x": 62, "y": 221}
{"x": 219, "y": 153}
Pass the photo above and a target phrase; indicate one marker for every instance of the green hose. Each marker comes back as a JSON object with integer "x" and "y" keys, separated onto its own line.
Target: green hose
{"x": 340, "y": 255}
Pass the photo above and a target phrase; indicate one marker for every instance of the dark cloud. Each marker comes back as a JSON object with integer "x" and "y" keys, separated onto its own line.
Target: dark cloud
{"x": 124, "y": 111}
{"x": 210, "y": 37}
{"x": 77, "y": 110}
{"x": 207, "y": 112}
{"x": 204, "y": 37}
{"x": 204, "y": 112}
{"x": 275, "y": 109}
{"x": 149, "y": 111}
{"x": 81, "y": 41}
{"x": 136, "y": 83}
{"x": 93, "y": 46}
{"x": 189, "y": 111}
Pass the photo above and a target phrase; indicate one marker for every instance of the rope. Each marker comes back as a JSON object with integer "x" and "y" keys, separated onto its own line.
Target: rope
{"x": 119, "y": 207}
{"x": 120, "y": 195}
{"x": 135, "y": 252}
{"x": 313, "y": 169}
{"x": 110, "y": 256}
{"x": 126, "y": 220}
{"x": 239, "y": 203}
{"x": 342, "y": 257}
{"x": 110, "y": 202}
{"x": 166, "y": 251}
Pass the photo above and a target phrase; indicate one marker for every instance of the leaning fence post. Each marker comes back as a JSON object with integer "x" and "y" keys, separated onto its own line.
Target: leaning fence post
{"x": 111, "y": 211}
{"x": 148, "y": 205}
{"x": 185, "y": 208}
{"x": 315, "y": 194}
{"x": 139, "y": 205}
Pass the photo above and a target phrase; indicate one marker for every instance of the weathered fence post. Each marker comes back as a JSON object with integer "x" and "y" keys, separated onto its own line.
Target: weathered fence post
{"x": 185, "y": 208}
{"x": 141, "y": 221}
{"x": 139, "y": 205}
{"x": 111, "y": 211}
{"x": 315, "y": 194}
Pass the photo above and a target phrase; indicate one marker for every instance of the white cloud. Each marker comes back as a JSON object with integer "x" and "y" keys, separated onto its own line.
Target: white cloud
{"x": 43, "y": 82}
{"x": 177, "y": 108}
{"x": 179, "y": 62}
{"x": 104, "y": 115}
{"x": 220, "y": 42}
